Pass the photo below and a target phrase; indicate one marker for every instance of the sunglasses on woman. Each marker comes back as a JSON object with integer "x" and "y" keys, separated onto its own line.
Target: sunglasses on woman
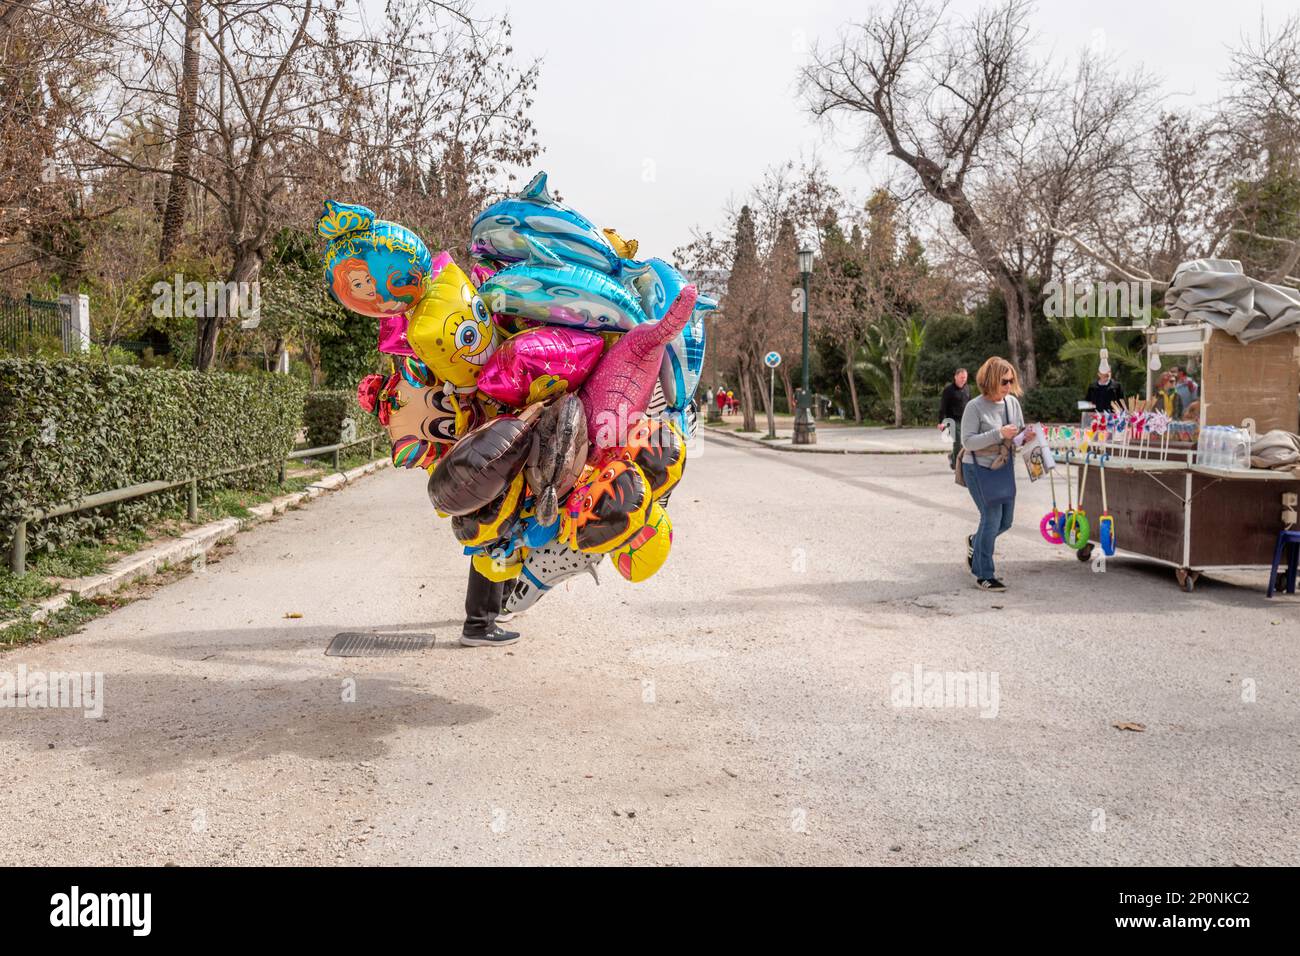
{"x": 1007, "y": 381}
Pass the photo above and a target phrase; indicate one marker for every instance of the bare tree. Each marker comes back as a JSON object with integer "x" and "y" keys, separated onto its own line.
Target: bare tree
{"x": 943, "y": 98}
{"x": 52, "y": 53}
{"x": 841, "y": 298}
{"x": 178, "y": 186}
{"x": 1206, "y": 186}
{"x": 1263, "y": 110}
{"x": 758, "y": 257}
{"x": 301, "y": 99}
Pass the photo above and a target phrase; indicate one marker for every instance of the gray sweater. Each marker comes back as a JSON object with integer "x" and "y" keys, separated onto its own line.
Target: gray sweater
{"x": 981, "y": 424}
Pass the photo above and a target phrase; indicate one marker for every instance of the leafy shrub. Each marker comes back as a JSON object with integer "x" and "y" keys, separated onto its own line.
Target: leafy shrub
{"x": 324, "y": 413}
{"x": 73, "y": 428}
{"x": 921, "y": 410}
{"x": 350, "y": 354}
{"x": 1048, "y": 404}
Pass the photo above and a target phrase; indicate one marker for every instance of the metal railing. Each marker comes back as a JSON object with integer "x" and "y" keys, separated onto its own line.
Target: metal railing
{"x": 18, "y": 547}
{"x": 22, "y": 320}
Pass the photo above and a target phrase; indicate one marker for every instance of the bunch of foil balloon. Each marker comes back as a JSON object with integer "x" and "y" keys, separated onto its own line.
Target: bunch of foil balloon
{"x": 548, "y": 392}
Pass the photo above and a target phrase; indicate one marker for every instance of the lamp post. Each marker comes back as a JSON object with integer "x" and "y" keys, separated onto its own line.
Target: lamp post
{"x": 805, "y": 428}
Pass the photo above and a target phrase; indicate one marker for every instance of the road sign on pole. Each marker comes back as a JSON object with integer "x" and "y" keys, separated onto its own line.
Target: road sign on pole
{"x": 771, "y": 360}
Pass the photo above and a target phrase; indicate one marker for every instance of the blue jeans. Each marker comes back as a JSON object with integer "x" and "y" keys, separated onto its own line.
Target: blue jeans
{"x": 994, "y": 519}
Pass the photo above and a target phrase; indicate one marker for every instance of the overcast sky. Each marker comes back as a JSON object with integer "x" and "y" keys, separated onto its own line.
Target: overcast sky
{"x": 652, "y": 114}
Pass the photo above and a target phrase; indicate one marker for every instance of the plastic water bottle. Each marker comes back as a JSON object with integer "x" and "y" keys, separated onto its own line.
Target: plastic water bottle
{"x": 1240, "y": 460}
{"x": 1214, "y": 447}
{"x": 1205, "y": 447}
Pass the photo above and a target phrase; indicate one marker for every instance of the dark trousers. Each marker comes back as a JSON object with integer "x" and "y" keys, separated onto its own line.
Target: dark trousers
{"x": 952, "y": 455}
{"x": 482, "y": 603}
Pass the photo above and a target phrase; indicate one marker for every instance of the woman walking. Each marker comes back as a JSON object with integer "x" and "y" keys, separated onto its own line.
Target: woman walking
{"x": 988, "y": 425}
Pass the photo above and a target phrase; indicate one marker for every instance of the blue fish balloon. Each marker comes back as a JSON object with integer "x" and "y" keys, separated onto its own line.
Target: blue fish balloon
{"x": 505, "y": 231}
{"x": 546, "y": 289}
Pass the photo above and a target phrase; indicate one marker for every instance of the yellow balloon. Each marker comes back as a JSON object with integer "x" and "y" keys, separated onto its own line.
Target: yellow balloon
{"x": 647, "y": 550}
{"x": 495, "y": 570}
{"x": 450, "y": 329}
{"x": 625, "y": 248}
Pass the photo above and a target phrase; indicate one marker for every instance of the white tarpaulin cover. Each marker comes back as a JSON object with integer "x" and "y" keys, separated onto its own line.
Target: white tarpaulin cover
{"x": 1218, "y": 292}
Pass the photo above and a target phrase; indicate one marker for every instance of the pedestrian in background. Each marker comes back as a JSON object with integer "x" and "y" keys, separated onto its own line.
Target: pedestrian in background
{"x": 1165, "y": 394}
{"x": 989, "y": 425}
{"x": 1185, "y": 391}
{"x": 952, "y": 404}
{"x": 1105, "y": 392}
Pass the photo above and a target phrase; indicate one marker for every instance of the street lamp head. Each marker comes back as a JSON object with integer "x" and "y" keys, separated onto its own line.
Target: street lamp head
{"x": 806, "y": 260}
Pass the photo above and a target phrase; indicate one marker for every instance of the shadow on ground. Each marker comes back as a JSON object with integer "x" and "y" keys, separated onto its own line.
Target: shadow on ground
{"x": 158, "y": 722}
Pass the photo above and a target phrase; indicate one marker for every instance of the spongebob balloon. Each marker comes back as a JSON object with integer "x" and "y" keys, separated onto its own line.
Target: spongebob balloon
{"x": 450, "y": 329}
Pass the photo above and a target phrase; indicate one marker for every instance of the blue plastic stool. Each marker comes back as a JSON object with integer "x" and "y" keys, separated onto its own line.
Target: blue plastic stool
{"x": 1290, "y": 540}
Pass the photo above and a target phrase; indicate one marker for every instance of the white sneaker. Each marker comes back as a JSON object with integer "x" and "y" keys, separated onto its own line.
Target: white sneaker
{"x": 505, "y": 618}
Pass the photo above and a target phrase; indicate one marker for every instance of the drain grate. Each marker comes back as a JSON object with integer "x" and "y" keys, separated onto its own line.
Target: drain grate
{"x": 361, "y": 644}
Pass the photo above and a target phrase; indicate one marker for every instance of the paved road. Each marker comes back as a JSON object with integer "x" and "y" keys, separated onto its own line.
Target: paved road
{"x": 737, "y": 708}
{"x": 838, "y": 437}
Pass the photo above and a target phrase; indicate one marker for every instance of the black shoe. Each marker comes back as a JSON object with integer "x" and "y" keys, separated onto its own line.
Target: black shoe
{"x": 970, "y": 552}
{"x": 990, "y": 584}
{"x": 497, "y": 637}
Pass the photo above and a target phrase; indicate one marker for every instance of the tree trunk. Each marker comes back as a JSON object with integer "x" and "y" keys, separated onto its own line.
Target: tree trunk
{"x": 178, "y": 190}
{"x": 1028, "y": 362}
{"x": 789, "y": 389}
{"x": 850, "y": 352}
{"x": 247, "y": 267}
{"x": 1019, "y": 320}
{"x": 748, "y": 422}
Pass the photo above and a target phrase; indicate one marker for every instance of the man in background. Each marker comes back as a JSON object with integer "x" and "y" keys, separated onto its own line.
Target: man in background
{"x": 1185, "y": 390}
{"x": 1105, "y": 392}
{"x": 952, "y": 404}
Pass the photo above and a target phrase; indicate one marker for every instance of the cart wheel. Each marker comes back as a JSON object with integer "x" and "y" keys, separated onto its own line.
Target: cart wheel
{"x": 1084, "y": 553}
{"x": 1187, "y": 579}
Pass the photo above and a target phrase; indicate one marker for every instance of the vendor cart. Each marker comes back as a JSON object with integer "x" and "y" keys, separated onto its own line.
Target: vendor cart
{"x": 1166, "y": 507}
{"x": 1185, "y": 516}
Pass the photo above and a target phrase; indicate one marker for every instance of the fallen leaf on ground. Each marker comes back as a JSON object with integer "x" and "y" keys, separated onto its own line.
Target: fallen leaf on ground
{"x": 1126, "y": 725}
{"x": 293, "y": 614}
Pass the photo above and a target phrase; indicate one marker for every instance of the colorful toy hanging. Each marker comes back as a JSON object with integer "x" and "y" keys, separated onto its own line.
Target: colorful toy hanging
{"x": 1077, "y": 528}
{"x": 1048, "y": 526}
{"x": 1106, "y": 522}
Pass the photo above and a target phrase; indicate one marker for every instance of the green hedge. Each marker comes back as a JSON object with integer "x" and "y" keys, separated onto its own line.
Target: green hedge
{"x": 324, "y": 412}
{"x": 72, "y": 428}
{"x": 1052, "y": 404}
{"x": 921, "y": 410}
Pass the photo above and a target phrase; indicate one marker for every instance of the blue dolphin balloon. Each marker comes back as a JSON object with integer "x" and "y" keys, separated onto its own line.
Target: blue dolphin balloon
{"x": 506, "y": 230}
{"x": 659, "y": 283}
{"x": 546, "y": 289}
